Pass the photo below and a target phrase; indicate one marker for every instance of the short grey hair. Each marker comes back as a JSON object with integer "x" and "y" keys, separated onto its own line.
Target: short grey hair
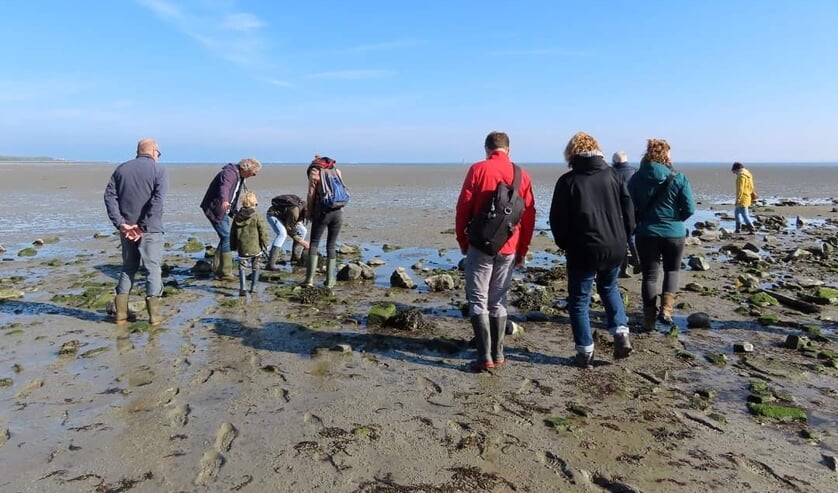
{"x": 619, "y": 157}
{"x": 250, "y": 164}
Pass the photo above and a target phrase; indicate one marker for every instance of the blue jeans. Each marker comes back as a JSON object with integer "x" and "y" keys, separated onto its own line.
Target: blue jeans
{"x": 741, "y": 215}
{"x": 579, "y": 284}
{"x": 281, "y": 234}
{"x": 222, "y": 228}
{"x": 149, "y": 251}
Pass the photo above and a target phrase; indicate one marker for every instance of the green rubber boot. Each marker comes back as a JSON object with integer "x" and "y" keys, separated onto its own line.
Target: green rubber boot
{"x": 311, "y": 269}
{"x": 152, "y": 303}
{"x": 121, "y": 308}
{"x": 331, "y": 273}
{"x": 225, "y": 268}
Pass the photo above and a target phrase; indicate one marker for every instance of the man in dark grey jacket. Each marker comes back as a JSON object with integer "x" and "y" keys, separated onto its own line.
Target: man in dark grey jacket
{"x": 620, "y": 164}
{"x": 134, "y": 201}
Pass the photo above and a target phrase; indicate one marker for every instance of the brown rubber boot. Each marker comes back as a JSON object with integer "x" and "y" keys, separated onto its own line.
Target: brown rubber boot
{"x": 667, "y": 306}
{"x": 152, "y": 303}
{"x": 120, "y": 304}
{"x": 650, "y": 314}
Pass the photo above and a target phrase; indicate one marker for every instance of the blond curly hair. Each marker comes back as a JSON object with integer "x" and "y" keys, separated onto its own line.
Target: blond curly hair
{"x": 579, "y": 143}
{"x": 657, "y": 151}
{"x": 249, "y": 200}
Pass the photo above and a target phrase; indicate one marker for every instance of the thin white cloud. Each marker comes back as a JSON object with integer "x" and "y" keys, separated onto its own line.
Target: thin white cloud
{"x": 387, "y": 45}
{"x": 275, "y": 82}
{"x": 351, "y": 74}
{"x": 218, "y": 26}
{"x": 242, "y": 22}
{"x": 540, "y": 52}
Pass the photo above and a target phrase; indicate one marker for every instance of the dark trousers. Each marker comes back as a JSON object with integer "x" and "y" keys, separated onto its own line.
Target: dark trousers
{"x": 329, "y": 222}
{"x": 655, "y": 252}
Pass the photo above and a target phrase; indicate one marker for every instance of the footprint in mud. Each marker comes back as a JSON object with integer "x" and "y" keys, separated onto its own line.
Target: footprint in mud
{"x": 30, "y": 387}
{"x": 255, "y": 362}
{"x": 211, "y": 462}
{"x": 225, "y": 436}
{"x": 179, "y": 416}
{"x": 314, "y": 421}
{"x": 203, "y": 376}
{"x": 430, "y": 385}
{"x": 168, "y": 396}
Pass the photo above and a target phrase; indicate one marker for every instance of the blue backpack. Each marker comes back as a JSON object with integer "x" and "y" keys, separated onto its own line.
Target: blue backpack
{"x": 333, "y": 193}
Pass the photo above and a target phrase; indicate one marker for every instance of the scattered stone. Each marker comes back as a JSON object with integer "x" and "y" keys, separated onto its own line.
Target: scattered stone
{"x": 10, "y": 294}
{"x": 710, "y": 236}
{"x": 202, "y": 268}
{"x": 718, "y": 359}
{"x": 347, "y": 249}
{"x": 389, "y": 248}
{"x": 441, "y": 282}
{"x": 777, "y": 413}
{"x": 341, "y": 348}
{"x": 6, "y": 382}
{"x": 763, "y": 300}
{"x": 401, "y": 279}
{"x": 698, "y": 262}
{"x": 692, "y": 241}
{"x": 514, "y": 329}
{"x": 381, "y": 312}
{"x": 101, "y": 235}
{"x": 810, "y": 434}
{"x": 2, "y": 249}
{"x": 707, "y": 394}
{"x": 698, "y": 320}
{"x": 695, "y": 287}
{"x": 751, "y": 247}
{"x": 350, "y": 272}
{"x": 831, "y": 462}
{"x": 743, "y": 347}
{"x": 38, "y": 242}
{"x": 27, "y": 252}
{"x": 797, "y": 254}
{"x": 69, "y": 348}
{"x": 376, "y": 262}
{"x": 193, "y": 245}
{"x": 417, "y": 266}
{"x": 747, "y": 256}
{"x": 795, "y": 341}
{"x": 747, "y": 281}
{"x": 824, "y": 296}
{"x": 410, "y": 320}
{"x": 92, "y": 353}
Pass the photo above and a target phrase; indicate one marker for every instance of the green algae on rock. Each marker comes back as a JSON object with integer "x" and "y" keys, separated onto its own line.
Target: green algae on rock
{"x": 777, "y": 413}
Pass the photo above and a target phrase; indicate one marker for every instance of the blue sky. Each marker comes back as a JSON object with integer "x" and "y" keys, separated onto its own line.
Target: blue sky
{"x": 389, "y": 81}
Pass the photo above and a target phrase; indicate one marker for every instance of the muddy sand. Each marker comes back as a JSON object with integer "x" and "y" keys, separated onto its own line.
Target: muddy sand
{"x": 287, "y": 391}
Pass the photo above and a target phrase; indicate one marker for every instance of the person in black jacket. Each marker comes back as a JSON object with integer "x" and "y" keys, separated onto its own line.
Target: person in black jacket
{"x": 620, "y": 164}
{"x": 591, "y": 217}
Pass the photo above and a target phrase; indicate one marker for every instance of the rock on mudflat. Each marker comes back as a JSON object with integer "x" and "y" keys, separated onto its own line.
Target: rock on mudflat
{"x": 743, "y": 347}
{"x": 441, "y": 282}
{"x": 698, "y": 262}
{"x": 698, "y": 320}
{"x": 401, "y": 279}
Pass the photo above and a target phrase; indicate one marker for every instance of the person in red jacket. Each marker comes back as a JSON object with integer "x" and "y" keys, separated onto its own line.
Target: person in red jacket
{"x": 488, "y": 278}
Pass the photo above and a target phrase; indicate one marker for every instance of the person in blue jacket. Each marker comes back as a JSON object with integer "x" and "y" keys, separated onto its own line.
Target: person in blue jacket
{"x": 663, "y": 200}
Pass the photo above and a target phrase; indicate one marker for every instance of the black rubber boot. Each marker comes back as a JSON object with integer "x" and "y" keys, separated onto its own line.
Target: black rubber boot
{"x": 497, "y": 329}
{"x": 482, "y": 336}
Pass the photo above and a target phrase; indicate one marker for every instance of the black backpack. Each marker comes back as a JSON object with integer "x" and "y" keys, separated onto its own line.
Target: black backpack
{"x": 283, "y": 202}
{"x": 490, "y": 229}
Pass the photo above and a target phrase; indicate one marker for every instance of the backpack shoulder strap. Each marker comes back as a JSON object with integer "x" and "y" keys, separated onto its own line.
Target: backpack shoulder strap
{"x": 516, "y": 177}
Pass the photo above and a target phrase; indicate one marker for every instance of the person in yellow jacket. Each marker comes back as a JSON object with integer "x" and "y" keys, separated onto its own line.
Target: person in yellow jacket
{"x": 745, "y": 195}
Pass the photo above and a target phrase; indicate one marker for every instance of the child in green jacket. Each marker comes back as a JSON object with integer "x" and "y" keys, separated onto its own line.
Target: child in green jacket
{"x": 249, "y": 236}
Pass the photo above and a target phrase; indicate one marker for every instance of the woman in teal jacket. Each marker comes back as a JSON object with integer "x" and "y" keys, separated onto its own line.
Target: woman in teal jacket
{"x": 663, "y": 200}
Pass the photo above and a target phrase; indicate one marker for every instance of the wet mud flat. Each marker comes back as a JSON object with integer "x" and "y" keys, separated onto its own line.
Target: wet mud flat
{"x": 310, "y": 390}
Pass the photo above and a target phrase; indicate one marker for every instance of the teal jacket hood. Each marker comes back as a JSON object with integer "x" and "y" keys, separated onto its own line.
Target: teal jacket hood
{"x": 661, "y": 215}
